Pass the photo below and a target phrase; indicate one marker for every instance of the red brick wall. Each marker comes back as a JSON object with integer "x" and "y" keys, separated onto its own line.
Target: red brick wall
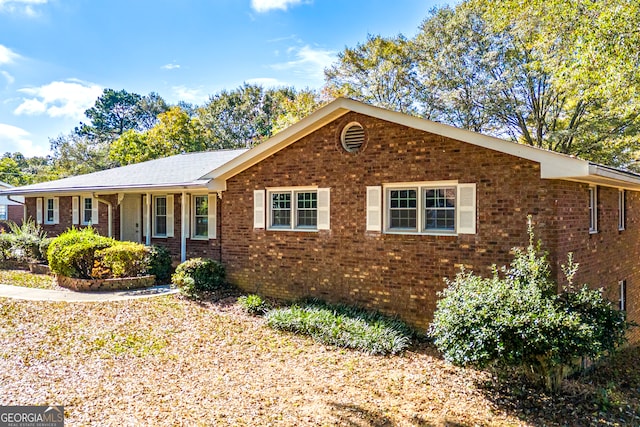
{"x": 15, "y": 213}
{"x": 400, "y": 273}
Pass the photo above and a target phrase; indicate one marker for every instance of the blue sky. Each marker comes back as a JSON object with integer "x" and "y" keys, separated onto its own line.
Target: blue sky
{"x": 56, "y": 56}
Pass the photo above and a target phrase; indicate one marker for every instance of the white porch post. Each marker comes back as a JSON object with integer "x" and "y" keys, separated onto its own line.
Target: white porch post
{"x": 183, "y": 227}
{"x": 147, "y": 208}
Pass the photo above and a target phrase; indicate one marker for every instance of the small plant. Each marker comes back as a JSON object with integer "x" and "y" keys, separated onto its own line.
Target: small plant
{"x": 159, "y": 263}
{"x": 253, "y": 304}
{"x": 23, "y": 242}
{"x": 343, "y": 326}
{"x": 199, "y": 274}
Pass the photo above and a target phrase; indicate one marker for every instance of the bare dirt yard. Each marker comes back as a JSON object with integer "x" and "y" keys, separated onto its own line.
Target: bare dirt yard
{"x": 169, "y": 361}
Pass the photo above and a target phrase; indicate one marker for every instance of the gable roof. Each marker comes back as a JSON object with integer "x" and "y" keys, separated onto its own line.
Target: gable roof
{"x": 175, "y": 172}
{"x": 553, "y": 165}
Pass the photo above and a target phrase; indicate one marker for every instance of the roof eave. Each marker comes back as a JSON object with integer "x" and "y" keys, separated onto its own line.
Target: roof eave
{"x": 177, "y": 187}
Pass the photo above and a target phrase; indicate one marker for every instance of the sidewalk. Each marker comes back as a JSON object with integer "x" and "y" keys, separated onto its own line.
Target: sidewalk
{"x": 33, "y": 294}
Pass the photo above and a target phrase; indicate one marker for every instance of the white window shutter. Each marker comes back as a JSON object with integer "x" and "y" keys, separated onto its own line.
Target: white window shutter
{"x": 39, "y": 210}
{"x": 170, "y": 216}
{"x": 466, "y": 209}
{"x": 56, "y": 210}
{"x": 324, "y": 217}
{"x": 94, "y": 211}
{"x": 374, "y": 208}
{"x": 75, "y": 210}
{"x": 145, "y": 225}
{"x": 258, "y": 209}
{"x": 211, "y": 214}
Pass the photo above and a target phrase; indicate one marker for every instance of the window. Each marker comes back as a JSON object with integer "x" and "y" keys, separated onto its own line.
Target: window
{"x": 593, "y": 209}
{"x": 49, "y": 211}
{"x": 160, "y": 216}
{"x": 621, "y": 210}
{"x": 87, "y": 210}
{"x": 292, "y": 209}
{"x": 3, "y": 212}
{"x": 200, "y": 216}
{"x": 422, "y": 209}
{"x": 622, "y": 286}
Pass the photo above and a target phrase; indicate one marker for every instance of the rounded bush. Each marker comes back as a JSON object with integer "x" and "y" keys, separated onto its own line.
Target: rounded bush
{"x": 199, "y": 274}
{"x": 72, "y": 253}
{"x": 123, "y": 259}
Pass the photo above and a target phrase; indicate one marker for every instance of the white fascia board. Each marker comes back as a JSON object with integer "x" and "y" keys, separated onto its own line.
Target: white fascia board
{"x": 175, "y": 187}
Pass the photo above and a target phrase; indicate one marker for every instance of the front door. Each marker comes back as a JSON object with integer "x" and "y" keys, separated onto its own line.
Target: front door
{"x": 131, "y": 218}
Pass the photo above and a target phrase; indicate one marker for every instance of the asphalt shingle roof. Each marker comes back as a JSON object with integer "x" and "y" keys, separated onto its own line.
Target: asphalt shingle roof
{"x": 182, "y": 169}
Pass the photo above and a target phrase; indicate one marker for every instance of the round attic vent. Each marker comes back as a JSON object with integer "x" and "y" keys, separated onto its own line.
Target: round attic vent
{"x": 352, "y": 137}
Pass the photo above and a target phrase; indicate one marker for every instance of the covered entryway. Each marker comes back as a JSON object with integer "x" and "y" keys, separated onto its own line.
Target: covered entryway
{"x": 131, "y": 218}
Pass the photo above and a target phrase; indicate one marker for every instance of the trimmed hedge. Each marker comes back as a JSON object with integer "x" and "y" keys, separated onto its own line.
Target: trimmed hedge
{"x": 73, "y": 253}
{"x": 123, "y": 259}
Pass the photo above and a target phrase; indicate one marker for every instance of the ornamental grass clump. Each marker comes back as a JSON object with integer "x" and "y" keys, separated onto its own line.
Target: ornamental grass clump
{"x": 343, "y": 326}
{"x": 516, "y": 318}
{"x": 253, "y": 304}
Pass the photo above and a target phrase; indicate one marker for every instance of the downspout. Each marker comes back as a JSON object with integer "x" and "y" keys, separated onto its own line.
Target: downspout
{"x": 24, "y": 208}
{"x": 147, "y": 238}
{"x": 183, "y": 227}
{"x": 109, "y": 213}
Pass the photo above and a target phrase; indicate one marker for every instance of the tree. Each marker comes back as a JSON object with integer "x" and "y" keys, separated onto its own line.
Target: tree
{"x": 243, "y": 117}
{"x": 523, "y": 75}
{"x": 75, "y": 154}
{"x": 10, "y": 172}
{"x": 379, "y": 71}
{"x": 516, "y": 318}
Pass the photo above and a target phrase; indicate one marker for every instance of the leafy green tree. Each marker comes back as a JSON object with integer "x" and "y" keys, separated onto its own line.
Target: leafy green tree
{"x": 75, "y": 154}
{"x": 516, "y": 318}
{"x": 10, "y": 172}
{"x": 293, "y": 110}
{"x": 380, "y": 71}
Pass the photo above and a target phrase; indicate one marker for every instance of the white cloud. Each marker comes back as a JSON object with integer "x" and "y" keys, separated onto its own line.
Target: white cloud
{"x": 21, "y": 6}
{"x": 308, "y": 61}
{"x": 170, "y": 66}
{"x": 191, "y": 95}
{"x": 267, "y": 5}
{"x": 10, "y": 79}
{"x": 59, "y": 99}
{"x": 7, "y": 56}
{"x": 14, "y": 139}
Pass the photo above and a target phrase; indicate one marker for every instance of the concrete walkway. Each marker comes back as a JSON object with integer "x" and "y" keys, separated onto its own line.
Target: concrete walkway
{"x": 33, "y": 294}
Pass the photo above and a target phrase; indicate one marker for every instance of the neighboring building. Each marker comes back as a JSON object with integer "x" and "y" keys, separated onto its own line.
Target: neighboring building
{"x": 11, "y": 208}
{"x": 363, "y": 205}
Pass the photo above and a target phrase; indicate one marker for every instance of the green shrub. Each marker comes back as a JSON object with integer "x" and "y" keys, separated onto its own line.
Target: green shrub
{"x": 72, "y": 253}
{"x": 253, "y": 304}
{"x": 44, "y": 247}
{"x": 159, "y": 263}
{"x": 23, "y": 242}
{"x": 516, "y": 318}
{"x": 343, "y": 326}
{"x": 207, "y": 275}
{"x": 123, "y": 259}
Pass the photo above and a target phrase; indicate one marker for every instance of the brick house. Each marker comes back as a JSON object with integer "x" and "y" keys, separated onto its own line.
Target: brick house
{"x": 364, "y": 205}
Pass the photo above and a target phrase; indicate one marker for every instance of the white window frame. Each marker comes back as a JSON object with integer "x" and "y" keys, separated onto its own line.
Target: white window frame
{"x": 4, "y": 212}
{"x": 622, "y": 290}
{"x": 293, "y": 191}
{"x": 54, "y": 210}
{"x": 593, "y": 209}
{"x": 154, "y": 215}
{"x": 194, "y": 216}
{"x": 622, "y": 215}
{"x": 421, "y": 189}
{"x": 83, "y": 210}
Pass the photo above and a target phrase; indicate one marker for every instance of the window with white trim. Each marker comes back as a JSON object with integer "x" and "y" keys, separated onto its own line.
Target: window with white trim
{"x": 49, "y": 211}
{"x": 622, "y": 288}
{"x": 293, "y": 209}
{"x": 200, "y": 217}
{"x": 593, "y": 209}
{"x": 621, "y": 210}
{"x": 87, "y": 210}
{"x": 3, "y": 212}
{"x": 425, "y": 208}
{"x": 160, "y": 216}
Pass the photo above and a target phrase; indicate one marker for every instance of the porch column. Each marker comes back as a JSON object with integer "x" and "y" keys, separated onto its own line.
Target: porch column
{"x": 184, "y": 226}
{"x": 147, "y": 207}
